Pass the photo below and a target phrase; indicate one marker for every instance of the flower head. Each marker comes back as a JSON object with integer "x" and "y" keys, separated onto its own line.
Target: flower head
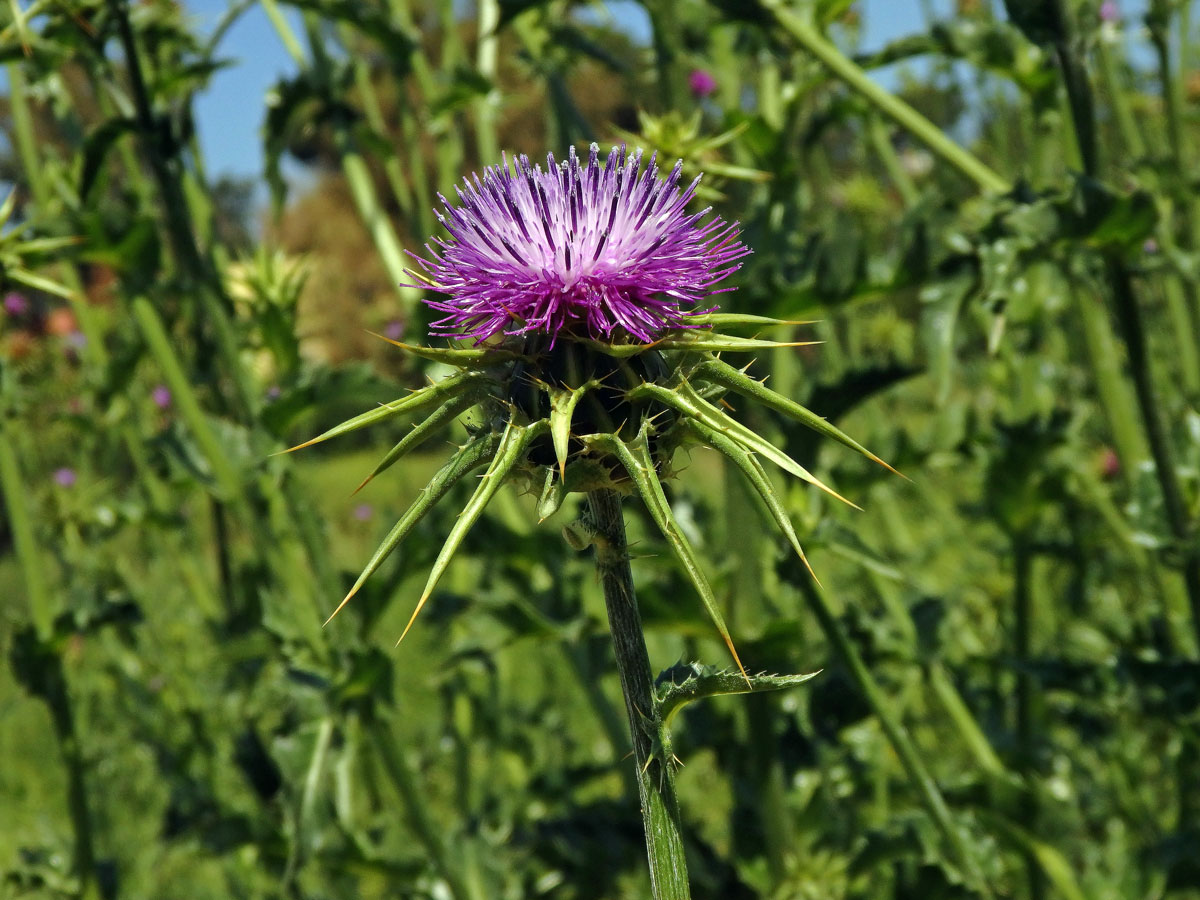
{"x": 1109, "y": 11}
{"x": 161, "y": 395}
{"x": 701, "y": 83}
{"x": 394, "y": 329}
{"x": 602, "y": 250}
{"x": 15, "y": 304}
{"x": 65, "y": 477}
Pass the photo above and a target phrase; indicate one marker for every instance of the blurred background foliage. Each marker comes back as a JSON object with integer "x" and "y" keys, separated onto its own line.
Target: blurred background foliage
{"x": 1009, "y": 640}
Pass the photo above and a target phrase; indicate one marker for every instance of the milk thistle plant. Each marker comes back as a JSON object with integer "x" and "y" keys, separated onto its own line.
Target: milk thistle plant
{"x": 577, "y": 298}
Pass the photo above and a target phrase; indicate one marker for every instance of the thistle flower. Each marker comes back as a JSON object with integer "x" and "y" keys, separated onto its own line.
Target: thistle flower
{"x": 701, "y": 83}
{"x": 602, "y": 250}
{"x": 588, "y": 282}
{"x": 161, "y": 395}
{"x": 15, "y": 304}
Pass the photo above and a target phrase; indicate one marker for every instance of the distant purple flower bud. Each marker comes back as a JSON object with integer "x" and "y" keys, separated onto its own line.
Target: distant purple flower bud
{"x": 394, "y": 330}
{"x": 161, "y": 395}
{"x": 1109, "y": 11}
{"x": 1150, "y": 246}
{"x": 363, "y": 511}
{"x": 600, "y": 250}
{"x": 273, "y": 392}
{"x": 76, "y": 340}
{"x": 701, "y": 83}
{"x": 15, "y": 304}
{"x": 65, "y": 477}
{"x": 1110, "y": 463}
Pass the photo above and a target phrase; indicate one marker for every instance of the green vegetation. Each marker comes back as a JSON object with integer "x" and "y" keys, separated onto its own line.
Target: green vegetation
{"x": 1001, "y": 262}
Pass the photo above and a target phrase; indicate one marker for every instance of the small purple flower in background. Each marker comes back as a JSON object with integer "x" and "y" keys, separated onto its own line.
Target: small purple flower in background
{"x": 65, "y": 477}
{"x": 394, "y": 329}
{"x": 76, "y": 341}
{"x": 1110, "y": 463}
{"x": 1109, "y": 11}
{"x": 701, "y": 83}
{"x": 15, "y": 304}
{"x": 363, "y": 512}
{"x": 161, "y": 395}
{"x": 273, "y": 392}
{"x": 1150, "y": 246}
{"x": 600, "y": 250}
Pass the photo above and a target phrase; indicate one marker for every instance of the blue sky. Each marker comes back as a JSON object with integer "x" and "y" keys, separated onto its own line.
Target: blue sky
{"x": 229, "y": 114}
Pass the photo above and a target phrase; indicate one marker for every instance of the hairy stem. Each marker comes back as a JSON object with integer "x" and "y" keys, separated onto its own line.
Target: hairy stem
{"x": 651, "y": 745}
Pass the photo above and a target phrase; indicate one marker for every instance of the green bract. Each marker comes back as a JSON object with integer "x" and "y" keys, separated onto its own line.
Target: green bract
{"x": 584, "y": 415}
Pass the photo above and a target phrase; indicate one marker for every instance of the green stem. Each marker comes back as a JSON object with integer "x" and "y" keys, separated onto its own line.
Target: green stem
{"x": 665, "y": 36}
{"x": 897, "y": 734}
{"x": 881, "y": 142}
{"x": 164, "y": 167}
{"x": 811, "y": 40}
{"x": 57, "y": 698}
{"x": 374, "y": 113}
{"x": 1120, "y": 408}
{"x": 1022, "y": 638}
{"x": 651, "y": 743}
{"x": 486, "y": 57}
{"x": 1127, "y": 127}
{"x": 159, "y": 343}
{"x": 52, "y": 687}
{"x": 42, "y": 190}
{"x": 1129, "y": 317}
{"x": 1130, "y": 323}
{"x": 24, "y": 539}
{"x": 304, "y": 809}
{"x": 1172, "y": 87}
{"x": 396, "y": 763}
{"x": 354, "y": 164}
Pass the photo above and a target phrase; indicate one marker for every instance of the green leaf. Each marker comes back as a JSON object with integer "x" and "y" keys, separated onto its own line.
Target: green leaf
{"x": 639, "y": 463}
{"x": 512, "y": 449}
{"x": 684, "y": 683}
{"x": 439, "y": 392}
{"x": 719, "y": 372}
{"x": 441, "y": 417}
{"x": 479, "y": 451}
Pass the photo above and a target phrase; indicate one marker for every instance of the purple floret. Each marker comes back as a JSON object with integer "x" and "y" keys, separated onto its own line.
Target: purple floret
{"x": 602, "y": 250}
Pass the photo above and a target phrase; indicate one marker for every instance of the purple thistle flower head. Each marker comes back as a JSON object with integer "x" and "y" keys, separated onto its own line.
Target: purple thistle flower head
{"x": 1109, "y": 11}
{"x": 701, "y": 83}
{"x": 65, "y": 477}
{"x": 15, "y": 304}
{"x": 394, "y": 329}
{"x": 602, "y": 250}
{"x": 161, "y": 395}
